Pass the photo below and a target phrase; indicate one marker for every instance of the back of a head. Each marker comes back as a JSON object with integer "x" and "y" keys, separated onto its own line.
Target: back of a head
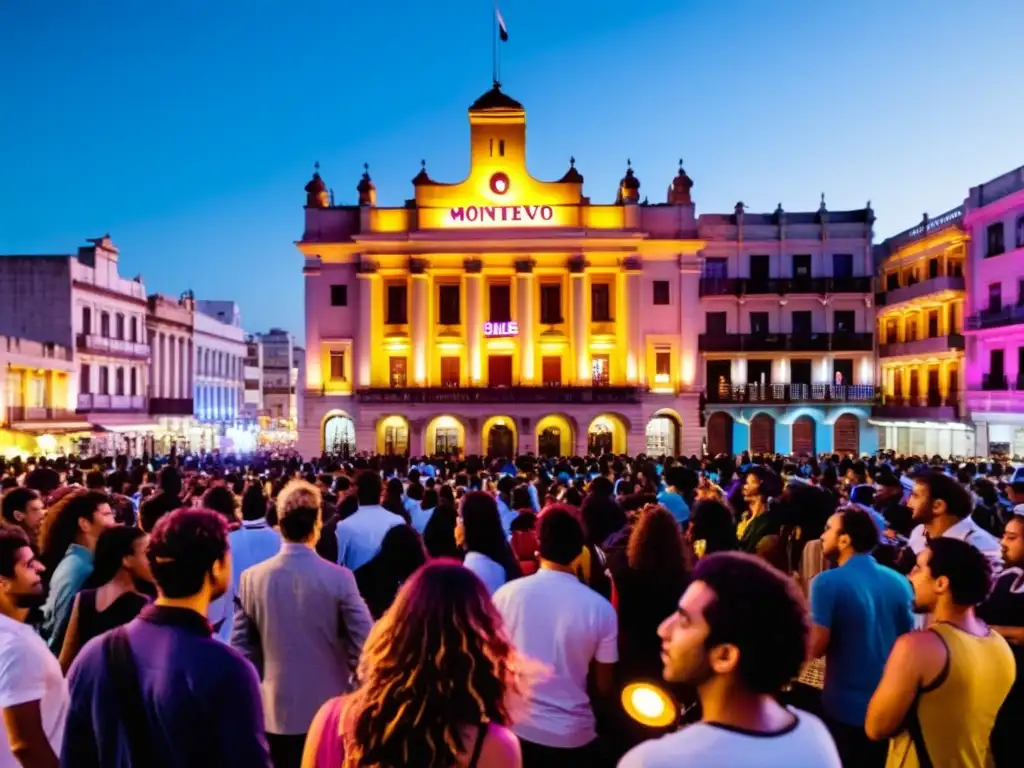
{"x": 221, "y": 499}
{"x": 860, "y": 526}
{"x": 656, "y": 545}
{"x": 170, "y": 480}
{"x": 254, "y": 503}
{"x": 298, "y": 510}
{"x": 942, "y": 487}
{"x": 95, "y": 481}
{"x": 60, "y": 526}
{"x": 482, "y": 523}
{"x": 750, "y": 596}
{"x": 113, "y": 545}
{"x": 712, "y": 521}
{"x": 560, "y": 535}
{"x": 368, "y": 488}
{"x": 16, "y": 500}
{"x": 183, "y": 548}
{"x": 968, "y": 570}
{"x": 402, "y": 551}
{"x": 414, "y": 491}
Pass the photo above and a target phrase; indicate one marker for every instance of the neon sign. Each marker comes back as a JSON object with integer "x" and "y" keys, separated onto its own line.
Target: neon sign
{"x": 502, "y": 213}
{"x": 495, "y": 330}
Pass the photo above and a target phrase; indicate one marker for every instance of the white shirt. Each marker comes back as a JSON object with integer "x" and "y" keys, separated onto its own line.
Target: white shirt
{"x": 965, "y": 530}
{"x": 554, "y": 619}
{"x": 806, "y": 744}
{"x": 250, "y": 545}
{"x": 418, "y": 516}
{"x": 492, "y": 574}
{"x": 361, "y": 534}
{"x": 30, "y": 672}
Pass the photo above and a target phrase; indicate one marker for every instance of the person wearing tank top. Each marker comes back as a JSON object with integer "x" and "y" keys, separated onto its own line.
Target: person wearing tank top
{"x": 943, "y": 686}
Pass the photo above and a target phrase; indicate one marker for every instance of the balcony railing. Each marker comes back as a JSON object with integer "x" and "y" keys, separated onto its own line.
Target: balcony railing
{"x": 739, "y": 286}
{"x": 933, "y": 345}
{"x": 38, "y": 413}
{"x": 1011, "y": 315}
{"x": 794, "y": 393}
{"x": 171, "y": 406}
{"x": 932, "y": 409}
{"x": 88, "y": 402}
{"x": 511, "y": 395}
{"x": 786, "y": 342}
{"x": 920, "y": 289}
{"x": 994, "y": 382}
{"x": 91, "y": 342}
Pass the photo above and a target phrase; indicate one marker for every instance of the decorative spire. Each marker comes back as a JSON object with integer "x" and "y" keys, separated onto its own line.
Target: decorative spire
{"x": 629, "y": 187}
{"x": 679, "y": 191}
{"x": 316, "y": 190}
{"x": 422, "y": 178}
{"x": 572, "y": 176}
{"x": 367, "y": 191}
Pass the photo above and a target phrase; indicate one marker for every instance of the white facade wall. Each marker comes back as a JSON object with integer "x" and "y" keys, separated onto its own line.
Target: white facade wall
{"x": 219, "y": 362}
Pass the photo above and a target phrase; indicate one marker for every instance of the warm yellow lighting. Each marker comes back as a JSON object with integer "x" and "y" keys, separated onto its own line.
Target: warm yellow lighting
{"x": 47, "y": 443}
{"x": 389, "y": 219}
{"x": 661, "y": 378}
{"x": 450, "y": 346}
{"x": 649, "y": 705}
{"x": 501, "y": 345}
{"x": 396, "y": 343}
{"x": 603, "y": 217}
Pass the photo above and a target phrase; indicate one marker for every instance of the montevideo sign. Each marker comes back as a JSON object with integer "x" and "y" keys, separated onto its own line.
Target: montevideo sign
{"x": 510, "y": 214}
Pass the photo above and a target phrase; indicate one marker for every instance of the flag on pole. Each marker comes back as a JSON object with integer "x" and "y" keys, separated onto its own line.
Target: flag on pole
{"x": 502, "y": 29}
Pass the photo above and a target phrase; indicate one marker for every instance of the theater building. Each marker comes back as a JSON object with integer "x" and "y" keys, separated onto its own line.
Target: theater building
{"x": 920, "y": 311}
{"x": 503, "y": 314}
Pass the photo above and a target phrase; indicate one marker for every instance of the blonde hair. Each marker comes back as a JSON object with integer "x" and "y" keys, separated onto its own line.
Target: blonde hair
{"x": 297, "y": 494}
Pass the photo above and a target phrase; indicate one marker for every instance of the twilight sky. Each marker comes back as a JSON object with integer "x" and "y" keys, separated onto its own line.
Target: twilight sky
{"x": 188, "y": 129}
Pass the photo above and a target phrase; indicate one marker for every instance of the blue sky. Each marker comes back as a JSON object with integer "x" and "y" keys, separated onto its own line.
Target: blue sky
{"x": 187, "y": 129}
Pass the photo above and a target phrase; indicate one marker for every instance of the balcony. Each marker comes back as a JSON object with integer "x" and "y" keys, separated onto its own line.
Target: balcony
{"x": 510, "y": 395}
{"x": 41, "y": 413}
{"x": 171, "y": 406}
{"x": 786, "y": 342}
{"x": 994, "y": 382}
{"x": 794, "y": 393}
{"x": 933, "y": 285}
{"x": 1011, "y": 315}
{"x": 745, "y": 286}
{"x": 934, "y": 345}
{"x": 111, "y": 403}
{"x": 101, "y": 345}
{"x": 933, "y": 407}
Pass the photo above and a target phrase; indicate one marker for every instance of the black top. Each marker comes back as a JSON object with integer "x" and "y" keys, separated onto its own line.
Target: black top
{"x": 1005, "y": 608}
{"x": 92, "y": 623}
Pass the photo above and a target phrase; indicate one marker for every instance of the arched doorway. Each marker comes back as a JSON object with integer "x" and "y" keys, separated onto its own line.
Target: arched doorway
{"x": 393, "y": 436}
{"x": 662, "y": 436}
{"x": 803, "y": 436}
{"x": 599, "y": 438}
{"x": 500, "y": 441}
{"x": 720, "y": 434}
{"x": 549, "y": 442}
{"x": 555, "y": 436}
{"x": 762, "y": 434}
{"x": 445, "y": 436}
{"x": 846, "y": 435}
{"x": 339, "y": 436}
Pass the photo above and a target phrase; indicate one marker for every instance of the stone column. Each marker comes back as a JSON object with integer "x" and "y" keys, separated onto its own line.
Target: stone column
{"x": 580, "y": 332}
{"x": 368, "y": 281}
{"x": 691, "y": 373}
{"x": 161, "y": 368}
{"x": 525, "y": 287}
{"x": 172, "y": 365}
{"x": 474, "y": 321}
{"x": 182, "y": 368}
{"x": 635, "y": 352}
{"x": 420, "y": 322}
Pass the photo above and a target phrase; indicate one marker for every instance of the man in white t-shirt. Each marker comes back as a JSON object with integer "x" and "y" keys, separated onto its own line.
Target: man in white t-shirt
{"x": 738, "y": 637}
{"x": 33, "y": 693}
{"x": 553, "y": 618}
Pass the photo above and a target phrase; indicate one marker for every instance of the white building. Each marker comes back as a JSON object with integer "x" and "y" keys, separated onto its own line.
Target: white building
{"x": 280, "y": 378}
{"x": 252, "y": 406}
{"x": 169, "y": 323}
{"x": 220, "y": 352}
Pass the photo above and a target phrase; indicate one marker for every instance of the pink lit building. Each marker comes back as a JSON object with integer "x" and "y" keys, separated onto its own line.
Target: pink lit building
{"x": 503, "y": 314}
{"x": 994, "y": 221}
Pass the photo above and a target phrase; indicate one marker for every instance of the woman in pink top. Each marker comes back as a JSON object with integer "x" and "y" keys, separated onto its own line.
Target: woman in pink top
{"x": 437, "y": 678}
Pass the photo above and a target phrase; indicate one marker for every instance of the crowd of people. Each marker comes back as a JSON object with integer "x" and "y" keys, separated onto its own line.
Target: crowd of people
{"x": 477, "y": 612}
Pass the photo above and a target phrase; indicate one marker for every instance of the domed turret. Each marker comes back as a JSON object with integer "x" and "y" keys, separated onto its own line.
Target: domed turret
{"x": 679, "y": 192}
{"x": 572, "y": 176}
{"x": 421, "y": 178}
{"x": 316, "y": 190}
{"x": 629, "y": 187}
{"x": 367, "y": 191}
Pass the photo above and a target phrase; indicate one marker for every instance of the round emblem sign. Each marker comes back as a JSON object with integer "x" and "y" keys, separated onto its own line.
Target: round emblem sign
{"x": 499, "y": 183}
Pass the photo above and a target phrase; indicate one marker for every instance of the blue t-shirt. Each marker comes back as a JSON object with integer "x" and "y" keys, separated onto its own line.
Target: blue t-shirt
{"x": 865, "y": 606}
{"x": 675, "y": 504}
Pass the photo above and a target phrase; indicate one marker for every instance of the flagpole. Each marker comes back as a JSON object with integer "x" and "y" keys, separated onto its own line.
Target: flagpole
{"x": 494, "y": 44}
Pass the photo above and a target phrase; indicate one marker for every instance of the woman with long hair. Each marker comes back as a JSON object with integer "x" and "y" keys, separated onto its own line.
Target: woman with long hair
{"x": 401, "y": 554}
{"x": 488, "y": 553}
{"x": 439, "y": 533}
{"x": 111, "y": 597}
{"x": 438, "y": 678}
{"x": 712, "y": 528}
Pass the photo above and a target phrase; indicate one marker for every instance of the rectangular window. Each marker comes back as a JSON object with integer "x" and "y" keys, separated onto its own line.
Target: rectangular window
{"x": 135, "y": 330}
{"x": 1020, "y": 292}
{"x": 911, "y": 322}
{"x": 933, "y": 324}
{"x": 105, "y": 326}
{"x": 398, "y": 305}
{"x": 661, "y": 292}
{"x": 86, "y": 320}
{"x": 600, "y": 370}
{"x": 499, "y": 370}
{"x": 842, "y": 265}
{"x": 759, "y": 323}
{"x": 996, "y": 365}
{"x": 119, "y": 381}
{"x": 953, "y": 311}
{"x": 551, "y": 371}
{"x": 800, "y": 371}
{"x": 715, "y": 323}
{"x": 892, "y": 330}
{"x": 339, "y": 295}
{"x": 450, "y": 372}
{"x": 955, "y": 268}
{"x": 551, "y": 303}
{"x": 995, "y": 239}
{"x": 844, "y": 321}
{"x": 501, "y": 303}
{"x": 995, "y": 297}
{"x": 600, "y": 303}
{"x": 933, "y": 268}
{"x": 759, "y": 267}
{"x": 802, "y": 320}
{"x": 892, "y": 281}
{"x": 448, "y": 305}
{"x": 663, "y": 364}
{"x": 337, "y": 365}
{"x": 716, "y": 268}
{"x": 396, "y": 371}
{"x": 119, "y": 326}
{"x": 104, "y": 380}
{"x": 801, "y": 265}
{"x": 85, "y": 379}
{"x": 134, "y": 383}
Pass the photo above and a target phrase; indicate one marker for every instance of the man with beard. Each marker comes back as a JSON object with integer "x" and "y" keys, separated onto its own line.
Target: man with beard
{"x": 33, "y": 694}
{"x": 943, "y": 686}
{"x": 739, "y": 637}
{"x": 857, "y": 612}
{"x": 23, "y": 507}
{"x": 161, "y": 690}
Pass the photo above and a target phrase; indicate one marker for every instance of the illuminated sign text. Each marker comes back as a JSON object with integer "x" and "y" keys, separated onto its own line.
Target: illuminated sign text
{"x": 505, "y": 213}
{"x": 510, "y": 328}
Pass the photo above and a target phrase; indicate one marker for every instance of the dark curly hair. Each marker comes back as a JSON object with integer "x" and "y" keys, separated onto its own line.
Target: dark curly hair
{"x": 436, "y": 662}
{"x": 656, "y": 546}
{"x": 60, "y": 526}
{"x": 761, "y": 612}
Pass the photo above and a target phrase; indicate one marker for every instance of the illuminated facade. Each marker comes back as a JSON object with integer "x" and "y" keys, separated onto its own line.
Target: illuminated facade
{"x": 994, "y": 221}
{"x": 503, "y": 314}
{"x": 920, "y": 300}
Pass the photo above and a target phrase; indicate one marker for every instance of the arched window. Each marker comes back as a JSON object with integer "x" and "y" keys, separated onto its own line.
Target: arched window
{"x": 119, "y": 381}
{"x": 1020, "y": 231}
